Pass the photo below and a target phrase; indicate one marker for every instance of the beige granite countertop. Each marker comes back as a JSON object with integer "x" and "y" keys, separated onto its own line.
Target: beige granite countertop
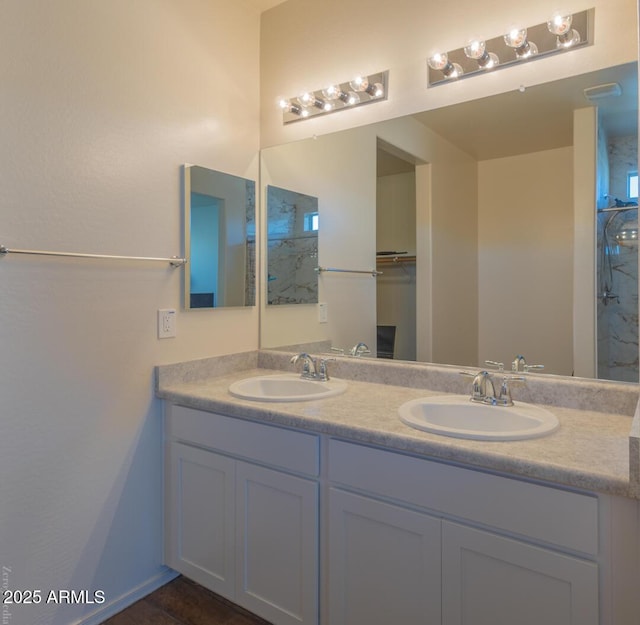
{"x": 592, "y": 449}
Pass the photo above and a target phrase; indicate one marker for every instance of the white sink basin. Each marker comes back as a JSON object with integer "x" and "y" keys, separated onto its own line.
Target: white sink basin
{"x": 286, "y": 387}
{"x": 457, "y": 416}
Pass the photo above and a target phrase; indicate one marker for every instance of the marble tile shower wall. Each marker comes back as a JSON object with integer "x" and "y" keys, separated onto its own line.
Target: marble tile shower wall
{"x": 292, "y": 251}
{"x": 618, "y": 318}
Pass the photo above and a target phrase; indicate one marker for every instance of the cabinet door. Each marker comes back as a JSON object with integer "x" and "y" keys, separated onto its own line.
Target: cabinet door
{"x": 277, "y": 537}
{"x": 200, "y": 518}
{"x": 384, "y": 563}
{"x": 492, "y": 580}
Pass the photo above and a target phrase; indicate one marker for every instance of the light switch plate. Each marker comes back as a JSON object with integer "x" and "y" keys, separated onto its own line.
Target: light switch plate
{"x": 166, "y": 323}
{"x": 322, "y": 312}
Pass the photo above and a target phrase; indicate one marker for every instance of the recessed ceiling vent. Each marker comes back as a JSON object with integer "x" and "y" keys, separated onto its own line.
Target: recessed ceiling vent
{"x": 600, "y": 92}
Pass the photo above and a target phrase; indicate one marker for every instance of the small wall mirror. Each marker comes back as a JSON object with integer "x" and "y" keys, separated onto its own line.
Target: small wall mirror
{"x": 220, "y": 217}
{"x": 292, "y": 247}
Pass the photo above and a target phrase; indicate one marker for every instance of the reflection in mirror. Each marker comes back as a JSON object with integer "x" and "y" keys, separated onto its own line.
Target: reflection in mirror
{"x": 292, "y": 247}
{"x": 219, "y": 215}
{"x": 506, "y": 225}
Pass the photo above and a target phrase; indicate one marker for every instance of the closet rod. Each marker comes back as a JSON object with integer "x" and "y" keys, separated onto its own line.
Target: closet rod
{"x": 174, "y": 261}
{"x": 371, "y": 272}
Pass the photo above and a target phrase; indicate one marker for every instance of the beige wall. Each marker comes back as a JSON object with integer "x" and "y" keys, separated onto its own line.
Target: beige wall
{"x": 101, "y": 104}
{"x": 308, "y": 44}
{"x": 525, "y": 232}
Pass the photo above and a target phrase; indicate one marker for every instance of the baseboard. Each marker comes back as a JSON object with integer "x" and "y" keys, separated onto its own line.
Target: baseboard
{"x": 128, "y": 598}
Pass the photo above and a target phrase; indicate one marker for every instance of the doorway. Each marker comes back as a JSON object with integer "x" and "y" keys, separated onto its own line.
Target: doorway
{"x": 396, "y": 253}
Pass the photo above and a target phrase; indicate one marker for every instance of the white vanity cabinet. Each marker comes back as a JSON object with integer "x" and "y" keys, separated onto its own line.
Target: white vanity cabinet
{"x": 241, "y": 512}
{"x": 375, "y": 536}
{"x": 416, "y": 541}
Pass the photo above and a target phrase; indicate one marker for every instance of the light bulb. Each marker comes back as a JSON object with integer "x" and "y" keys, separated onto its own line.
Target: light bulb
{"x": 359, "y": 83}
{"x": 561, "y": 27}
{"x": 568, "y": 39}
{"x": 375, "y": 90}
{"x": 307, "y": 99}
{"x": 516, "y": 38}
{"x": 332, "y": 92}
{"x": 478, "y": 50}
{"x": 560, "y": 24}
{"x": 290, "y": 107}
{"x": 438, "y": 61}
{"x": 475, "y": 50}
{"x": 441, "y": 62}
{"x": 529, "y": 49}
{"x": 350, "y": 98}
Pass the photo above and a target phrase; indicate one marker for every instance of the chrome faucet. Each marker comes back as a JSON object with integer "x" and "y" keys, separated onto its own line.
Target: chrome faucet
{"x": 483, "y": 389}
{"x": 308, "y": 365}
{"x": 313, "y": 369}
{"x": 359, "y": 349}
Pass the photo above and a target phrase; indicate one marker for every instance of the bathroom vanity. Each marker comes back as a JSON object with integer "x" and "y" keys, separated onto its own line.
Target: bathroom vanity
{"x": 335, "y": 512}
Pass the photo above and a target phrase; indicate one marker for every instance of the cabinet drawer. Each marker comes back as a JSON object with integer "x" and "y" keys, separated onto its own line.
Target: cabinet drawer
{"x": 266, "y": 444}
{"x": 547, "y": 514}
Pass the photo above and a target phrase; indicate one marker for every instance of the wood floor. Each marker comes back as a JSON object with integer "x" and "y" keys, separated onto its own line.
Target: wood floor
{"x": 183, "y": 602}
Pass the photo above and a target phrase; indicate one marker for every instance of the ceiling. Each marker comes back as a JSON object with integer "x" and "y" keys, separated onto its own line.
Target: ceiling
{"x": 540, "y": 118}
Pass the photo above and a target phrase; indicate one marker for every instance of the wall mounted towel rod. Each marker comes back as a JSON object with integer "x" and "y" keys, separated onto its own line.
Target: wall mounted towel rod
{"x": 174, "y": 261}
{"x": 371, "y": 272}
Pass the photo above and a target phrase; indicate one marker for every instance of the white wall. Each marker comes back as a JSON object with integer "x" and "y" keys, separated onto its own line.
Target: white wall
{"x": 102, "y": 101}
{"x": 306, "y": 44}
{"x": 525, "y": 232}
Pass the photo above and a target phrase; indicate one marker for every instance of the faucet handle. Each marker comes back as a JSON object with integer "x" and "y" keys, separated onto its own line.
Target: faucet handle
{"x": 529, "y": 367}
{"x": 323, "y": 370}
{"x": 504, "y": 398}
{"x": 338, "y": 350}
{"x": 493, "y": 363}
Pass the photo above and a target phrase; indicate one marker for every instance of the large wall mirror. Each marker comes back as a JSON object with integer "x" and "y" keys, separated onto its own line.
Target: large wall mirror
{"x": 220, "y": 216}
{"x": 492, "y": 234}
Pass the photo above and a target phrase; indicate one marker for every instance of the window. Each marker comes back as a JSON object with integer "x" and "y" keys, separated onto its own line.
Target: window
{"x": 311, "y": 219}
{"x": 632, "y": 185}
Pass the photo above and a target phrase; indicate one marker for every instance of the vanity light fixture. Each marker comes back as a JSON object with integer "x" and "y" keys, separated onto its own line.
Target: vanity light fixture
{"x": 559, "y": 34}
{"x": 362, "y": 89}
